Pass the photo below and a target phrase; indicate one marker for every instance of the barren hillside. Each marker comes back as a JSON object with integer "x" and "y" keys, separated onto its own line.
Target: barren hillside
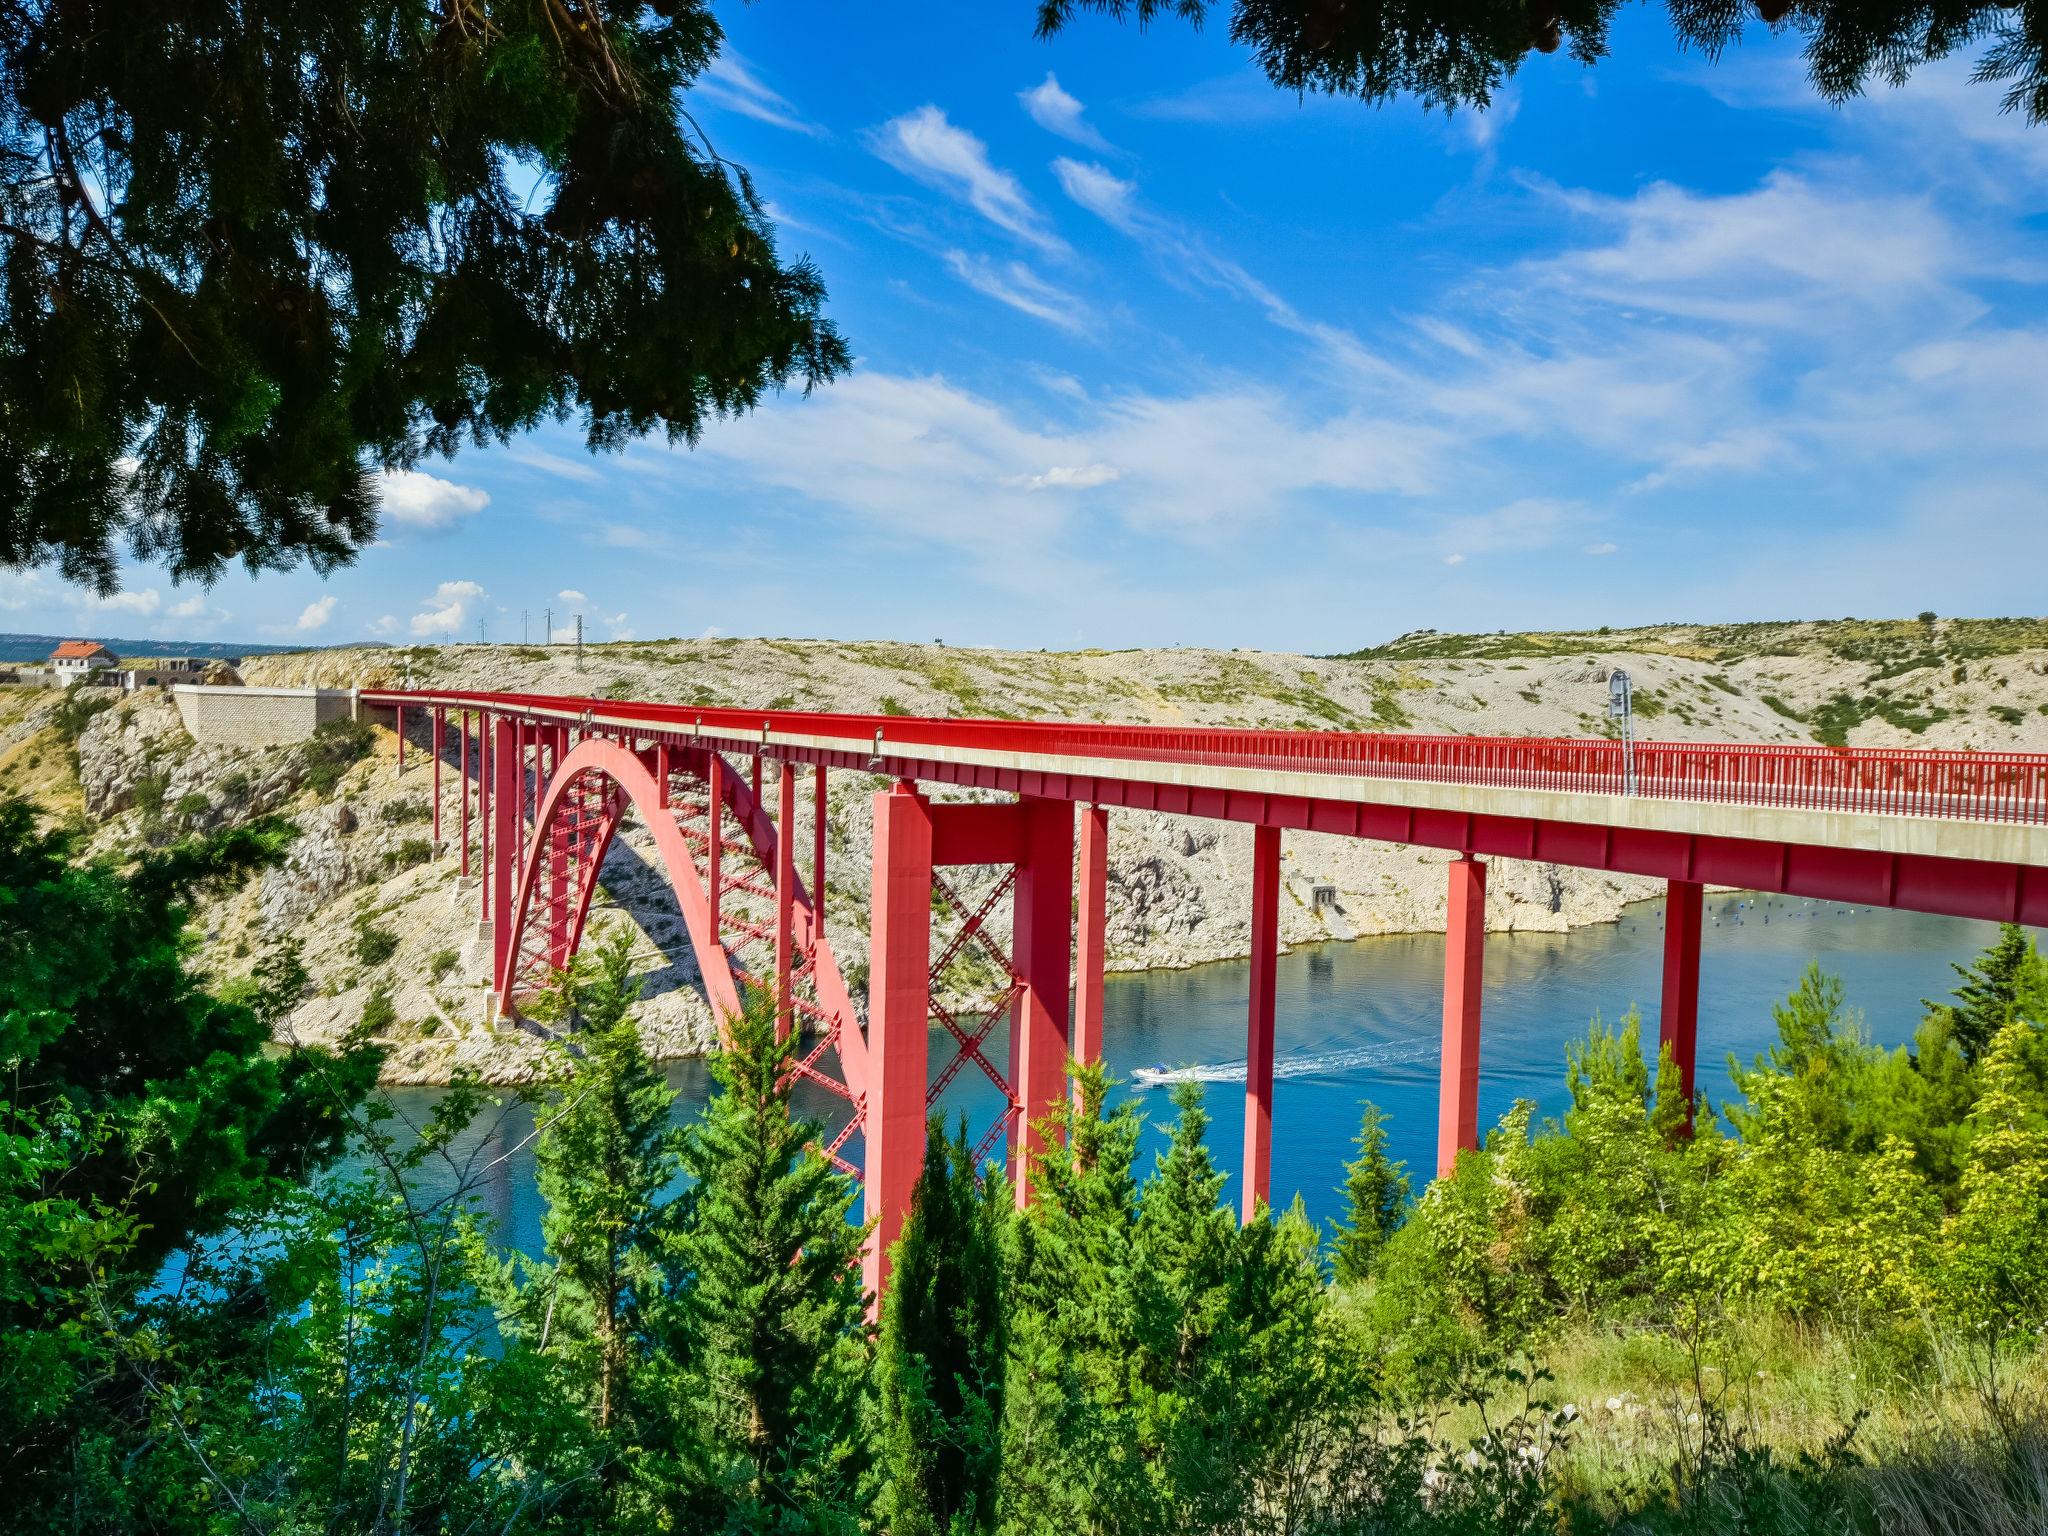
{"x": 387, "y": 925}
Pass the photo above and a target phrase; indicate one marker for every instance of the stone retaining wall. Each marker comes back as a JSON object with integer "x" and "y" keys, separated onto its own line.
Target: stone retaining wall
{"x": 258, "y": 717}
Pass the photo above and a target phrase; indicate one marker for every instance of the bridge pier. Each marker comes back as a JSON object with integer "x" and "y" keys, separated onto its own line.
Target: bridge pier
{"x": 1258, "y": 1035}
{"x": 1678, "y": 1020}
{"x": 1091, "y": 920}
{"x": 1042, "y": 942}
{"x": 1457, "y": 1115}
{"x": 899, "y": 1018}
{"x": 462, "y": 781}
{"x": 785, "y": 893}
{"x": 507, "y": 836}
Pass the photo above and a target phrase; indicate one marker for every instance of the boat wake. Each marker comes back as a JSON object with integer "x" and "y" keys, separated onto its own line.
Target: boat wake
{"x": 1316, "y": 1064}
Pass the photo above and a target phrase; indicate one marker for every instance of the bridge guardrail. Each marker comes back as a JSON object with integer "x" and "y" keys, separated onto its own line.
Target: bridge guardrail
{"x": 2007, "y": 787}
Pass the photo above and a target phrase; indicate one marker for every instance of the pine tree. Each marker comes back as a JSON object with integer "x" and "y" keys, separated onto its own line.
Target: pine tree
{"x": 1067, "y": 1397}
{"x": 1375, "y": 1196}
{"x": 774, "y": 1312}
{"x": 944, "y": 1347}
{"x": 1995, "y": 986}
{"x": 607, "y": 1154}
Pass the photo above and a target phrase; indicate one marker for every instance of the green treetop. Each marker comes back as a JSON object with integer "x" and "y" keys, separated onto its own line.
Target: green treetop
{"x": 1375, "y": 1196}
{"x": 774, "y": 1312}
{"x": 944, "y": 1346}
{"x": 249, "y": 255}
{"x": 1451, "y": 53}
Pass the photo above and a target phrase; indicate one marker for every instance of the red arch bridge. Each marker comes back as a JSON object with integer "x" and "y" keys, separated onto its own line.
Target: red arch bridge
{"x": 550, "y": 779}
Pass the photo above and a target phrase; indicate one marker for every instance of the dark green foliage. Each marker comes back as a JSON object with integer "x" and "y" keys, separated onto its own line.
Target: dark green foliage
{"x": 1159, "y": 1359}
{"x": 253, "y": 254}
{"x": 1375, "y": 1198}
{"x": 774, "y": 1314}
{"x": 380, "y": 1013}
{"x": 409, "y": 852}
{"x": 1998, "y": 984}
{"x": 141, "y": 1114}
{"x": 945, "y": 1347}
{"x": 1460, "y": 55}
{"x": 334, "y": 748}
{"x": 373, "y": 945}
{"x": 591, "y": 1313}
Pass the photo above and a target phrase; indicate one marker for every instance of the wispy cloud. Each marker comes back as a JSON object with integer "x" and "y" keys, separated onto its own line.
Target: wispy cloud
{"x": 731, "y": 83}
{"x": 924, "y": 145}
{"x": 1057, "y": 112}
{"x": 1015, "y": 284}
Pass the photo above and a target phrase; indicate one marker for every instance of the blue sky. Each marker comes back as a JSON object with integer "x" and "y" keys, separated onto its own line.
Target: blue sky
{"x": 1150, "y": 353}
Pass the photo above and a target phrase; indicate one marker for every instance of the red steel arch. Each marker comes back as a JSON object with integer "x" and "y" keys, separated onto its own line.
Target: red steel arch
{"x": 567, "y": 846}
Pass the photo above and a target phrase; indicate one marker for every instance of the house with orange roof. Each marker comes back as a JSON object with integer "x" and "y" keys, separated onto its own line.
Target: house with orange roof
{"x": 74, "y": 659}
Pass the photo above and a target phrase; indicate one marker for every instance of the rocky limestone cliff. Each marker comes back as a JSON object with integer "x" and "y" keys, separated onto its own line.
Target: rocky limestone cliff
{"x": 386, "y": 921}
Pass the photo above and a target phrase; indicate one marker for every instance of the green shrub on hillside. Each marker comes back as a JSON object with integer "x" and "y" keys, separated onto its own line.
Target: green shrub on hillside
{"x": 334, "y": 748}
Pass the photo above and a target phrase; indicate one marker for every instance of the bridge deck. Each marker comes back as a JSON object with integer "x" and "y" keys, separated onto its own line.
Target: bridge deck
{"x": 1958, "y": 832}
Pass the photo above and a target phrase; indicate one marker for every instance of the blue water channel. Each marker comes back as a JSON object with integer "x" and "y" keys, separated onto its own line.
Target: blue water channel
{"x": 1363, "y": 1019}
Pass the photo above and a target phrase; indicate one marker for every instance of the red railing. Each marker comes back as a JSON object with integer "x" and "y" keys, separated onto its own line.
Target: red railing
{"x": 2009, "y": 787}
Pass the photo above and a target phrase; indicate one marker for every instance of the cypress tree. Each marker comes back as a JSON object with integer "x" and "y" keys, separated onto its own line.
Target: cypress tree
{"x": 774, "y": 1313}
{"x": 1375, "y": 1196}
{"x": 945, "y": 1338}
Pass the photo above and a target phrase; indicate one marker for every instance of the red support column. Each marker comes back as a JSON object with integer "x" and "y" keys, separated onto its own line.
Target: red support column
{"x": 1678, "y": 1024}
{"x": 818, "y": 857}
{"x": 714, "y": 779}
{"x": 661, "y": 770}
{"x": 1091, "y": 920}
{"x": 785, "y": 892}
{"x": 398, "y": 726}
{"x": 1457, "y": 1115}
{"x": 484, "y": 742}
{"x": 462, "y": 779}
{"x": 440, "y": 735}
{"x": 508, "y": 767}
{"x": 1042, "y": 947}
{"x": 1258, "y": 1039}
{"x": 899, "y": 1018}
{"x": 757, "y": 778}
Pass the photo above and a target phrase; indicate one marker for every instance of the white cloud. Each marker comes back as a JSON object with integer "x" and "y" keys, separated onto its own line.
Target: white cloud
{"x": 583, "y": 470}
{"x": 22, "y": 589}
{"x": 731, "y": 83}
{"x": 924, "y": 145}
{"x": 448, "y": 611}
{"x": 1454, "y": 559}
{"x": 191, "y": 608}
{"x": 1482, "y": 130}
{"x": 1063, "y": 478}
{"x": 384, "y": 624}
{"x": 570, "y": 595}
{"x": 1601, "y": 548}
{"x": 1057, "y": 112}
{"x": 142, "y": 602}
{"x": 1108, "y": 197}
{"x": 315, "y": 615}
{"x": 1015, "y": 284}
{"x": 417, "y": 500}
